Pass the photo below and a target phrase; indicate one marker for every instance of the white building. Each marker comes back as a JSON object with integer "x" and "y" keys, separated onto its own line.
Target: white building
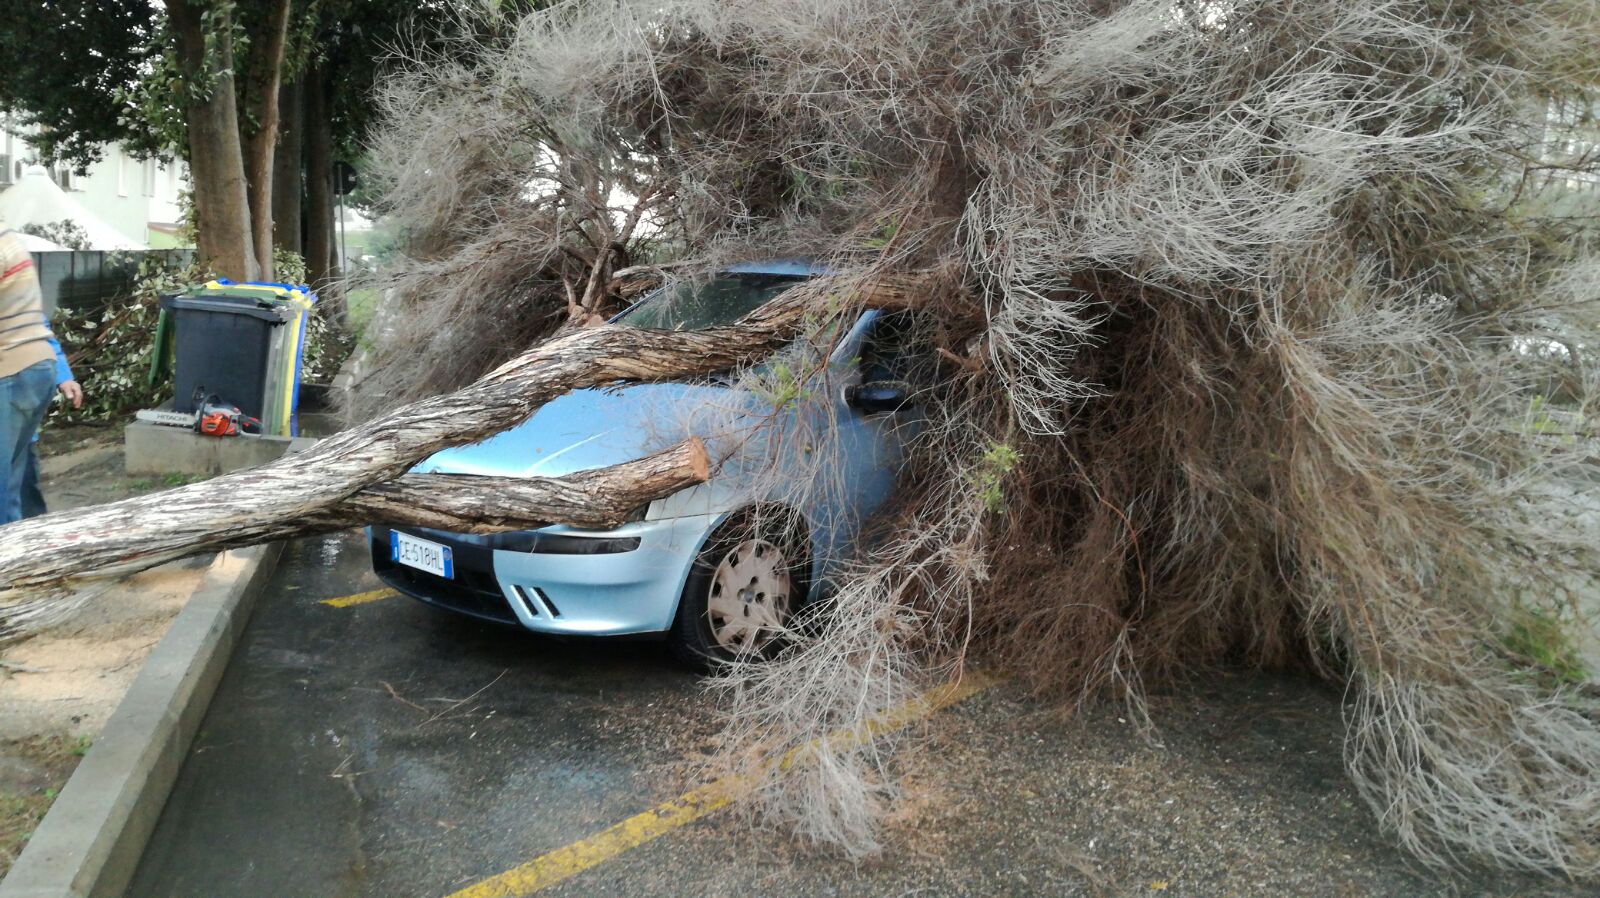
{"x": 137, "y": 197}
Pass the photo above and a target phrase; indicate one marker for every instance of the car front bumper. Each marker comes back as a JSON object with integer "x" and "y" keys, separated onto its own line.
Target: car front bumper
{"x": 608, "y": 594}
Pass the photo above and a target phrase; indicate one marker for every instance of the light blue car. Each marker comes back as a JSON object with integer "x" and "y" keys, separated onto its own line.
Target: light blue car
{"x": 807, "y": 444}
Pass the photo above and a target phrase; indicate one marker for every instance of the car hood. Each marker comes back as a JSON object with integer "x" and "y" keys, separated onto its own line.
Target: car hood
{"x": 594, "y": 428}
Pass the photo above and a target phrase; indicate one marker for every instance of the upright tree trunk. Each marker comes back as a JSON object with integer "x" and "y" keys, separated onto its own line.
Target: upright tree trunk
{"x": 216, "y": 162}
{"x": 265, "y": 74}
{"x": 319, "y": 178}
{"x": 288, "y": 180}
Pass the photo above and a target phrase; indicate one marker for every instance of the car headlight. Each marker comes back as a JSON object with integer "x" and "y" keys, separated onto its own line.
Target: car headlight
{"x": 537, "y": 543}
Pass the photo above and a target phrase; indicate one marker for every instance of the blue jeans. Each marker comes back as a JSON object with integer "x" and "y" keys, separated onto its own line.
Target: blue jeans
{"x": 32, "y": 497}
{"x": 24, "y": 398}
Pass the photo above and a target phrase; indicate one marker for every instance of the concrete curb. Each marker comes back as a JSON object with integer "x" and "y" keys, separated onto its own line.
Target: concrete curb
{"x": 89, "y": 843}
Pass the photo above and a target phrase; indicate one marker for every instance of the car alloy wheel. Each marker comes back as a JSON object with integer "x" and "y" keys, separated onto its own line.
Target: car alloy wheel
{"x": 750, "y": 595}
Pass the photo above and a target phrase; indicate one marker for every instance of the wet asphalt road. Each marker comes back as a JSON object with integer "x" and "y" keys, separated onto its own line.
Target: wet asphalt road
{"x": 388, "y": 749}
{"x": 391, "y": 749}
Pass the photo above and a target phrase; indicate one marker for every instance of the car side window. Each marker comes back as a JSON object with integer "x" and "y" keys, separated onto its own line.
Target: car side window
{"x": 897, "y": 349}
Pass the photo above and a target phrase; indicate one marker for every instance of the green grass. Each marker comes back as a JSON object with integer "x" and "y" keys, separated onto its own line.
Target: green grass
{"x": 362, "y": 303}
{"x": 1542, "y": 637}
{"x": 165, "y": 481}
{"x": 22, "y": 809}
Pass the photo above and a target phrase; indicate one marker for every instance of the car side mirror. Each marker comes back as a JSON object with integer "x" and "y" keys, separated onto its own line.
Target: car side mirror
{"x": 877, "y": 396}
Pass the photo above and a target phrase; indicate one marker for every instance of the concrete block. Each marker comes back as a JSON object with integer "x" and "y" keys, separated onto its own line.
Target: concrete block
{"x": 150, "y": 448}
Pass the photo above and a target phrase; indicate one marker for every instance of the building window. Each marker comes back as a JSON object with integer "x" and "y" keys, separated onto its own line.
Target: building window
{"x": 122, "y": 174}
{"x": 149, "y": 177}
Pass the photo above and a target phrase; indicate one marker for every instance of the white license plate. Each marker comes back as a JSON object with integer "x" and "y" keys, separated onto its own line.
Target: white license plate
{"x": 421, "y": 554}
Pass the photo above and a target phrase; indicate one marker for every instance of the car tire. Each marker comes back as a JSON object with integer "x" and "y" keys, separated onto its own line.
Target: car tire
{"x": 756, "y": 562}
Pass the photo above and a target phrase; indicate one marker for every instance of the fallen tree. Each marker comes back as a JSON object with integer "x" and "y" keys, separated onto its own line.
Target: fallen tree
{"x": 1272, "y": 294}
{"x": 358, "y": 476}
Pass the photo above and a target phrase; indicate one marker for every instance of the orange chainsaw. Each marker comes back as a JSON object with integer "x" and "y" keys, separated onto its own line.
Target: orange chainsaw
{"x": 216, "y": 418}
{"x": 212, "y": 418}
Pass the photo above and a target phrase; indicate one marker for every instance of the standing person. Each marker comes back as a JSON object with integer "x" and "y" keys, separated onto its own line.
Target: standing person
{"x": 27, "y": 368}
{"x": 32, "y": 498}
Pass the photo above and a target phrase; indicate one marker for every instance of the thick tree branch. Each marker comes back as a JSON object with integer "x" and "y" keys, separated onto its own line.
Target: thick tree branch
{"x": 467, "y": 503}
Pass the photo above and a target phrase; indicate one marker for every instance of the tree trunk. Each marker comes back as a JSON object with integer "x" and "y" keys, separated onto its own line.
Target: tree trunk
{"x": 216, "y": 162}
{"x": 265, "y": 72}
{"x": 319, "y": 178}
{"x": 287, "y": 175}
{"x": 43, "y": 560}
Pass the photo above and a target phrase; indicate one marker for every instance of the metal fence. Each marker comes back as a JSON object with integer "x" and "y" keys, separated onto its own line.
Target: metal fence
{"x": 80, "y": 280}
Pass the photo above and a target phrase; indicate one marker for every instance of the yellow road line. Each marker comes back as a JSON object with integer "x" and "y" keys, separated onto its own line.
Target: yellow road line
{"x": 361, "y": 598}
{"x": 565, "y": 863}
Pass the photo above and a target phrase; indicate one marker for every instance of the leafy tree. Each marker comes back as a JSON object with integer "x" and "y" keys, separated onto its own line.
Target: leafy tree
{"x": 68, "y": 68}
{"x": 247, "y": 91}
{"x": 341, "y": 51}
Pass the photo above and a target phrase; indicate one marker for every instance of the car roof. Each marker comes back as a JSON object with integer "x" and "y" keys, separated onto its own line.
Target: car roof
{"x": 804, "y": 267}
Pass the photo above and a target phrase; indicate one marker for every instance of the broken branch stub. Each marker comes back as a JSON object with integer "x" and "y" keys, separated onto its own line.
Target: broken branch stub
{"x": 331, "y": 485}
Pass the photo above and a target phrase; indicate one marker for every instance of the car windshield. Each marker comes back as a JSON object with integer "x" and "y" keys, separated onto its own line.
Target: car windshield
{"x": 722, "y": 300}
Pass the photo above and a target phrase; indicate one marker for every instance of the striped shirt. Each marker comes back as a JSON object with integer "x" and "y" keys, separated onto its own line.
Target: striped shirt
{"x": 24, "y": 338}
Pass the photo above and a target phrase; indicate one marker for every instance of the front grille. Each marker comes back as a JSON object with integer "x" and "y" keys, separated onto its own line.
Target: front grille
{"x": 474, "y": 591}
